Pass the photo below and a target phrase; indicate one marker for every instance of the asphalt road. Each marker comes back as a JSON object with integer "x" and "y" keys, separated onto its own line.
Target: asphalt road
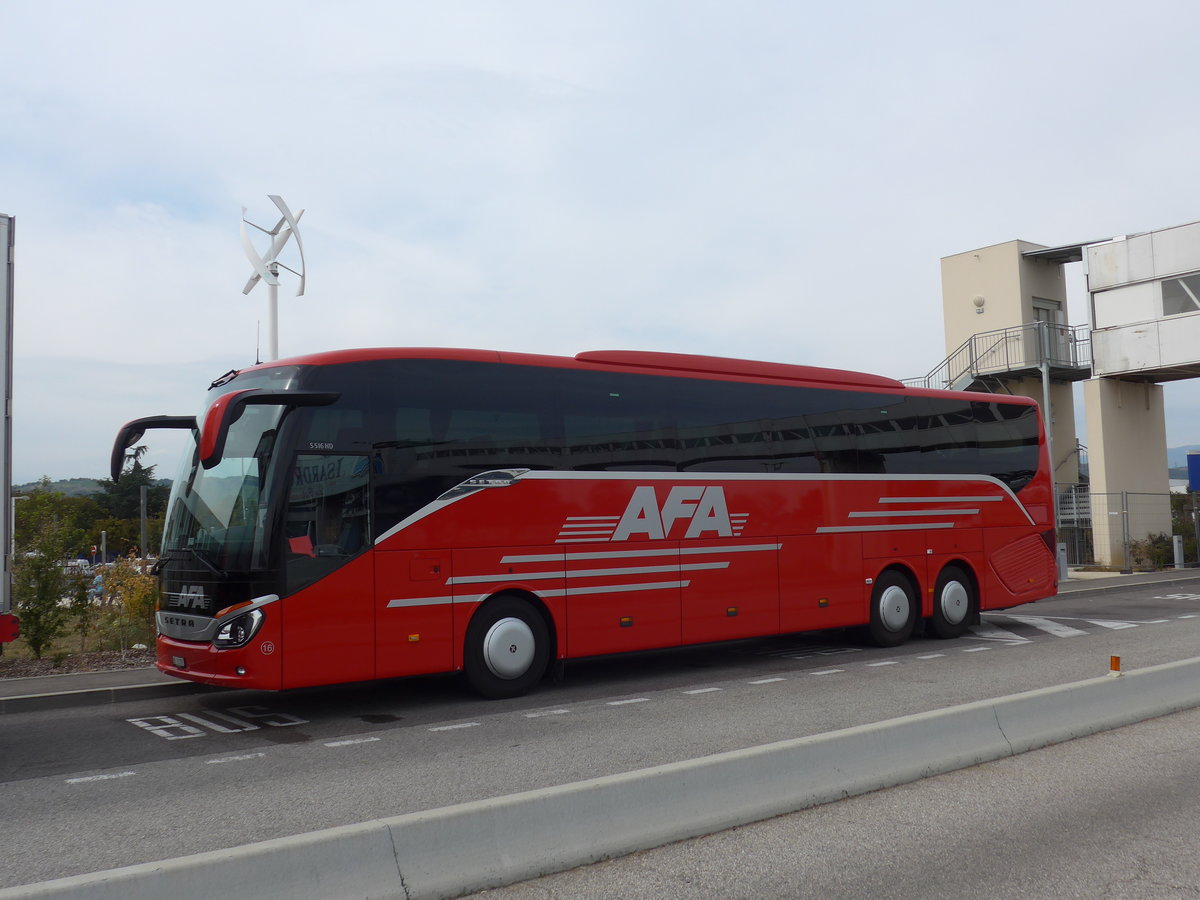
{"x": 1112, "y": 816}
{"x": 93, "y": 788}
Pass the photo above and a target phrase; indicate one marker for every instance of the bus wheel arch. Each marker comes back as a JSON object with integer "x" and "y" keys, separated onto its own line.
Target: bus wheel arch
{"x": 955, "y": 601}
{"x": 508, "y": 645}
{"x": 895, "y": 607}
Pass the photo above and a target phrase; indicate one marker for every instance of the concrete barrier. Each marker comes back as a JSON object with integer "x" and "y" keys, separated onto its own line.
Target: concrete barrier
{"x": 447, "y": 852}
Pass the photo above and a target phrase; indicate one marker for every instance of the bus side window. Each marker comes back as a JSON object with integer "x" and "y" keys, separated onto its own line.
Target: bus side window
{"x": 327, "y": 515}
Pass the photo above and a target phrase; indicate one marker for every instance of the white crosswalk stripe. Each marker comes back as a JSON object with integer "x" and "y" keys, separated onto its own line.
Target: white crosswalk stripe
{"x": 984, "y": 633}
{"x": 1050, "y": 626}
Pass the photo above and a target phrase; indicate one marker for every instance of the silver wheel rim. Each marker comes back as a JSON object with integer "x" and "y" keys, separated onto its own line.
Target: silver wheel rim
{"x": 954, "y": 602}
{"x": 508, "y": 648}
{"x": 894, "y": 608}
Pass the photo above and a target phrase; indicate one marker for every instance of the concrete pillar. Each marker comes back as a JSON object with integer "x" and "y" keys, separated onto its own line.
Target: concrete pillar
{"x": 1127, "y": 441}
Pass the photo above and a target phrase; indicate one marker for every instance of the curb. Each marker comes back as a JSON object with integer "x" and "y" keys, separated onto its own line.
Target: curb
{"x": 94, "y": 696}
{"x": 447, "y": 852}
{"x": 1098, "y": 586}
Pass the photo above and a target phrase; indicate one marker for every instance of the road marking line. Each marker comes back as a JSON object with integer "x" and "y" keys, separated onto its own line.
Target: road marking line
{"x": 99, "y": 777}
{"x": 703, "y": 690}
{"x": 890, "y": 662}
{"x": 975, "y": 649}
{"x": 625, "y": 702}
{"x": 455, "y": 727}
{"x": 1113, "y": 624}
{"x": 766, "y": 681}
{"x": 1188, "y": 616}
{"x": 547, "y": 712}
{"x": 827, "y": 672}
{"x": 225, "y": 759}
{"x": 349, "y": 741}
{"x": 1049, "y": 626}
{"x": 930, "y": 655}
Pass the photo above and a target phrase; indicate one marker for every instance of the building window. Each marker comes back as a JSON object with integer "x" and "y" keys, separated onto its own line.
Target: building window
{"x": 1181, "y": 295}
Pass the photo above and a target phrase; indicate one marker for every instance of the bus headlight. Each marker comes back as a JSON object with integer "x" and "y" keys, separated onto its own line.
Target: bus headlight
{"x": 239, "y": 630}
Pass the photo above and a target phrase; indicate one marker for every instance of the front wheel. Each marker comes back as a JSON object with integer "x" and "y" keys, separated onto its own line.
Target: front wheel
{"x": 954, "y": 603}
{"x": 893, "y": 610}
{"x": 507, "y": 648}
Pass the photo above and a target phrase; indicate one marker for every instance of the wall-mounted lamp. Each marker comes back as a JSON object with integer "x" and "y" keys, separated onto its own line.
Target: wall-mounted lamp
{"x": 978, "y": 301}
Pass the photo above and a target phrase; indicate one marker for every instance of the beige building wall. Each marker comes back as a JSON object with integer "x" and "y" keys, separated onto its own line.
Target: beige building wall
{"x": 995, "y": 287}
{"x": 1127, "y": 449}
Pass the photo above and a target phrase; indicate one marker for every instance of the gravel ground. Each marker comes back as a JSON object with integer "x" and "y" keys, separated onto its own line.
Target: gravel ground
{"x": 97, "y": 661}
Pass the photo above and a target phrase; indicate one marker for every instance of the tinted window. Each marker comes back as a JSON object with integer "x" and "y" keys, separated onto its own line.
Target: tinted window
{"x": 430, "y": 424}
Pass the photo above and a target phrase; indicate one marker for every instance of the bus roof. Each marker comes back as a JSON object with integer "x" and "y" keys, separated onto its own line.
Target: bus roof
{"x": 682, "y": 364}
{"x": 678, "y": 363}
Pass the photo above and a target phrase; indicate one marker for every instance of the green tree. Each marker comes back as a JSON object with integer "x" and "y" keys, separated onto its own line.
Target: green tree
{"x": 39, "y": 585}
{"x": 131, "y": 596}
{"x": 122, "y": 499}
{"x": 43, "y": 508}
{"x": 120, "y": 502}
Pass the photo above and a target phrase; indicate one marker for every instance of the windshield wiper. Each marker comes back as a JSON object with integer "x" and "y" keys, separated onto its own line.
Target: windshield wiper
{"x": 225, "y": 379}
{"x": 205, "y": 558}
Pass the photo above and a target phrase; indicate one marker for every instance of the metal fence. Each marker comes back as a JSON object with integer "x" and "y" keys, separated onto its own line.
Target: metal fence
{"x": 1127, "y": 530}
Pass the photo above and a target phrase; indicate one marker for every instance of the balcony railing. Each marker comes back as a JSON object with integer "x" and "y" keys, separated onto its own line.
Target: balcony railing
{"x": 1022, "y": 348}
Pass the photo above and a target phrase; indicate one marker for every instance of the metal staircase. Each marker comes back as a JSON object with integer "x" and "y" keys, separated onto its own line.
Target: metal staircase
{"x": 988, "y": 360}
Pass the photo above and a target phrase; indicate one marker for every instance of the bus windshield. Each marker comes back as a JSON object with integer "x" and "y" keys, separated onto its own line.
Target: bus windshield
{"x": 217, "y": 515}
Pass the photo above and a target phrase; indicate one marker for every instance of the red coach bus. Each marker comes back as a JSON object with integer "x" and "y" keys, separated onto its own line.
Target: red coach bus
{"x": 370, "y": 514}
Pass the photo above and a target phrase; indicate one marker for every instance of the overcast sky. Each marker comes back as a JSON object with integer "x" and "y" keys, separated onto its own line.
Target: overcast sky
{"x": 769, "y": 180}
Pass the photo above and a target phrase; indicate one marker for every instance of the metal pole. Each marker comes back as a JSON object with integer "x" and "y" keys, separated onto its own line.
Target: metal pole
{"x": 273, "y": 316}
{"x": 1196, "y": 524}
{"x": 1125, "y": 531}
{"x": 1047, "y": 420}
{"x": 7, "y": 263}
{"x": 103, "y": 547}
{"x": 142, "y": 544}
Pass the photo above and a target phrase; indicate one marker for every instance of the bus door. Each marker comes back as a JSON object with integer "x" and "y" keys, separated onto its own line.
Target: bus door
{"x": 329, "y": 581}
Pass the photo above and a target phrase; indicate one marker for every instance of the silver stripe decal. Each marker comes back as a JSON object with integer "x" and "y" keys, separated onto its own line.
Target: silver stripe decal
{"x": 888, "y": 513}
{"x": 587, "y": 573}
{"x": 718, "y": 477}
{"x": 637, "y": 554}
{"x": 848, "y": 529}
{"x": 419, "y": 601}
{"x": 615, "y": 588}
{"x": 940, "y": 499}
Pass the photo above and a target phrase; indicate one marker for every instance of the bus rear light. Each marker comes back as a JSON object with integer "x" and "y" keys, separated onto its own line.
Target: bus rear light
{"x": 238, "y": 631}
{"x": 1048, "y": 537}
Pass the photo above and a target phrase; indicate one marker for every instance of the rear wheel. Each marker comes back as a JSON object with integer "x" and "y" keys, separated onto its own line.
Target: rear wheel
{"x": 893, "y": 610}
{"x": 507, "y": 648}
{"x": 954, "y": 603}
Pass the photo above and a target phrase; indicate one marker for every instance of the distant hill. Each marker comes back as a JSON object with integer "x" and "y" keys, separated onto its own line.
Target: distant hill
{"x": 72, "y": 487}
{"x": 1177, "y": 456}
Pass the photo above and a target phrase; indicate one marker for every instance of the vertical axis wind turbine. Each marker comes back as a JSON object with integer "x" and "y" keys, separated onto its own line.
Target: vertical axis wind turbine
{"x": 267, "y": 266}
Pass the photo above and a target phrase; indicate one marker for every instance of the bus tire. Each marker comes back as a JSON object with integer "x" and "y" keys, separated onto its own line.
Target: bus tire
{"x": 893, "y": 610}
{"x": 954, "y": 603}
{"x": 507, "y": 648}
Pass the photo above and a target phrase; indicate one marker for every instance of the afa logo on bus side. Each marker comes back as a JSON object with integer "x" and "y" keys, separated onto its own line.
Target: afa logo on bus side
{"x": 701, "y": 507}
